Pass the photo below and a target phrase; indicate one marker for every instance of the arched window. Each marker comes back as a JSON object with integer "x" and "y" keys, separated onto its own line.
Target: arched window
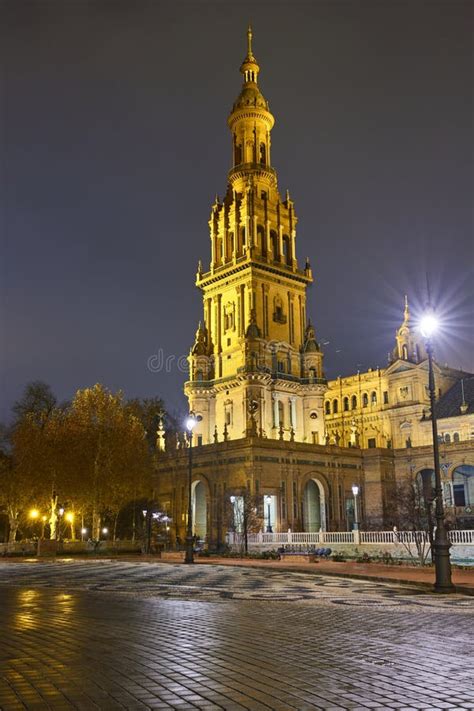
{"x": 261, "y": 246}
{"x": 286, "y": 250}
{"x": 463, "y": 485}
{"x": 230, "y": 245}
{"x": 424, "y": 487}
{"x": 354, "y": 402}
{"x": 365, "y": 400}
{"x": 334, "y": 406}
{"x": 263, "y": 154}
{"x": 312, "y": 372}
{"x": 281, "y": 414}
{"x": 447, "y": 438}
{"x": 274, "y": 243}
{"x": 237, "y": 153}
{"x": 242, "y": 237}
{"x": 346, "y": 404}
{"x": 373, "y": 398}
{"x": 456, "y": 437}
{"x": 199, "y": 375}
{"x": 327, "y": 407}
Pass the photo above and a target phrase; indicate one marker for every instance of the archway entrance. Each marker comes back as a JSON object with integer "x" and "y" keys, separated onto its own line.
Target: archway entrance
{"x": 199, "y": 510}
{"x": 314, "y": 517}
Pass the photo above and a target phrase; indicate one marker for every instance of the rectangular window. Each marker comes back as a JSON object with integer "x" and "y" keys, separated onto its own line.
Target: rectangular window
{"x": 257, "y": 486}
{"x": 315, "y": 437}
{"x": 295, "y": 500}
{"x": 385, "y": 397}
{"x": 371, "y": 443}
{"x": 459, "y": 495}
{"x": 199, "y": 444}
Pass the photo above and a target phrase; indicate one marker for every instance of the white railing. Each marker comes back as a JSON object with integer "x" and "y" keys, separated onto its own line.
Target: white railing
{"x": 461, "y": 537}
{"x": 306, "y": 538}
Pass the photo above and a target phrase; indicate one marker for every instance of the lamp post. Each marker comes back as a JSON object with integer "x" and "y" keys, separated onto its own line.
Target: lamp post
{"x": 268, "y": 500}
{"x": 355, "y": 491}
{"x": 189, "y": 555}
{"x": 441, "y": 545}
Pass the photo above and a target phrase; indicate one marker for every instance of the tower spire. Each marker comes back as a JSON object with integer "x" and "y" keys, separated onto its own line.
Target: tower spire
{"x": 249, "y": 67}
{"x": 249, "y": 42}
{"x": 406, "y": 313}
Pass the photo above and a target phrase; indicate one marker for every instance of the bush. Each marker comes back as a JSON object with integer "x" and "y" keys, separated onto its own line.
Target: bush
{"x": 364, "y": 558}
{"x": 339, "y": 558}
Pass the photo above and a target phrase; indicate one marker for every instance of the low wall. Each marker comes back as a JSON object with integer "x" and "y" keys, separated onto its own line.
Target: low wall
{"x": 29, "y": 548}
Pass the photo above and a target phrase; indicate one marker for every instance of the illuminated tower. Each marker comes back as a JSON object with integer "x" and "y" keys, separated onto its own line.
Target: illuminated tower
{"x": 255, "y": 366}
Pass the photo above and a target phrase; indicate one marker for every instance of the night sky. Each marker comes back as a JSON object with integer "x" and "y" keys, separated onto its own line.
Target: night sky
{"x": 114, "y": 144}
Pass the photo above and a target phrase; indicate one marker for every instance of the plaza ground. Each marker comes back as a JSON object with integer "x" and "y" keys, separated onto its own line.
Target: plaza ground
{"x": 103, "y": 634}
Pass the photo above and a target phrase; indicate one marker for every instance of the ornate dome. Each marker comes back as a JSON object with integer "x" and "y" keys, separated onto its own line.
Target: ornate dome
{"x": 250, "y": 96}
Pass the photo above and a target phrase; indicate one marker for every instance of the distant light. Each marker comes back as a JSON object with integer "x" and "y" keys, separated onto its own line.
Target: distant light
{"x": 191, "y": 422}
{"x": 105, "y": 531}
{"x": 83, "y": 531}
{"x": 61, "y": 511}
{"x": 34, "y": 513}
{"x": 232, "y": 499}
{"x": 355, "y": 489}
{"x": 44, "y": 518}
{"x": 144, "y": 512}
{"x": 428, "y": 324}
{"x": 69, "y": 517}
{"x": 268, "y": 499}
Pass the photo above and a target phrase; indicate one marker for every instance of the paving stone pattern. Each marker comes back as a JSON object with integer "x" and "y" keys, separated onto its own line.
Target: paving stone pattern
{"x": 100, "y": 635}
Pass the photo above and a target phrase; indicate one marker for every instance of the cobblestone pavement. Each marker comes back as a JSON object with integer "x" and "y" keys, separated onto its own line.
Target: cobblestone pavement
{"x": 111, "y": 635}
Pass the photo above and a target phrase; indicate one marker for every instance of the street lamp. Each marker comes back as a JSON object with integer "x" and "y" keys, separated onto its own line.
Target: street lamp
{"x": 443, "y": 583}
{"x": 83, "y": 533}
{"x": 190, "y": 425}
{"x": 268, "y": 500}
{"x": 355, "y": 491}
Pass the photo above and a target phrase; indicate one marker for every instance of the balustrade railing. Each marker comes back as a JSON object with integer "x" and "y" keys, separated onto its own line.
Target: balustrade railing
{"x": 310, "y": 538}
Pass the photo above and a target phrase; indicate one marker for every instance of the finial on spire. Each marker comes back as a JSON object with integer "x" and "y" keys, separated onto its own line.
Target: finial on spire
{"x": 406, "y": 312}
{"x": 249, "y": 41}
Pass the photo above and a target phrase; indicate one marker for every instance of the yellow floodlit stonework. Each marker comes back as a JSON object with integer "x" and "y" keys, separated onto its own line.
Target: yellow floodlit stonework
{"x": 255, "y": 364}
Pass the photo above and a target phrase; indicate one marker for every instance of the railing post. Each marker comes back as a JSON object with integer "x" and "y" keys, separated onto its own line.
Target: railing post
{"x": 356, "y": 536}
{"x": 322, "y": 537}
{"x": 290, "y": 537}
{"x": 260, "y": 537}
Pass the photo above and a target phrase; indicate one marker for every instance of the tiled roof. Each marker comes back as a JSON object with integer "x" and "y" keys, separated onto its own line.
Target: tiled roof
{"x": 449, "y": 405}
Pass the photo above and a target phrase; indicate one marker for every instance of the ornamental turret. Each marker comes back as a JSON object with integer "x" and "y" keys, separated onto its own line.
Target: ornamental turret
{"x": 410, "y": 345}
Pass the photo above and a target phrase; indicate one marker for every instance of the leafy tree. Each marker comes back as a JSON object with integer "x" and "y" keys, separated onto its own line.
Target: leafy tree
{"x": 26, "y": 470}
{"x": 37, "y": 401}
{"x": 110, "y": 462}
{"x": 148, "y": 411}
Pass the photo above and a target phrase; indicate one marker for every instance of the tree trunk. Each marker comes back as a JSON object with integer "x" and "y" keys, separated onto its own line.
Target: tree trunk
{"x": 95, "y": 525}
{"x": 13, "y": 524}
{"x": 115, "y": 526}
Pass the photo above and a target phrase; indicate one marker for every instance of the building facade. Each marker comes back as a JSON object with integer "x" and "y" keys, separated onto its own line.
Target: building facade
{"x": 268, "y": 422}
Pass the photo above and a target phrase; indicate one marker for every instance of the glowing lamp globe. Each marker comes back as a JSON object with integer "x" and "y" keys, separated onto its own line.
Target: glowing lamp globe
{"x": 190, "y": 422}
{"x": 355, "y": 489}
{"x": 428, "y": 325}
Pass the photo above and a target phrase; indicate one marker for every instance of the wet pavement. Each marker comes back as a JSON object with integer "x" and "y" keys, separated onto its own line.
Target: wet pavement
{"x": 113, "y": 635}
